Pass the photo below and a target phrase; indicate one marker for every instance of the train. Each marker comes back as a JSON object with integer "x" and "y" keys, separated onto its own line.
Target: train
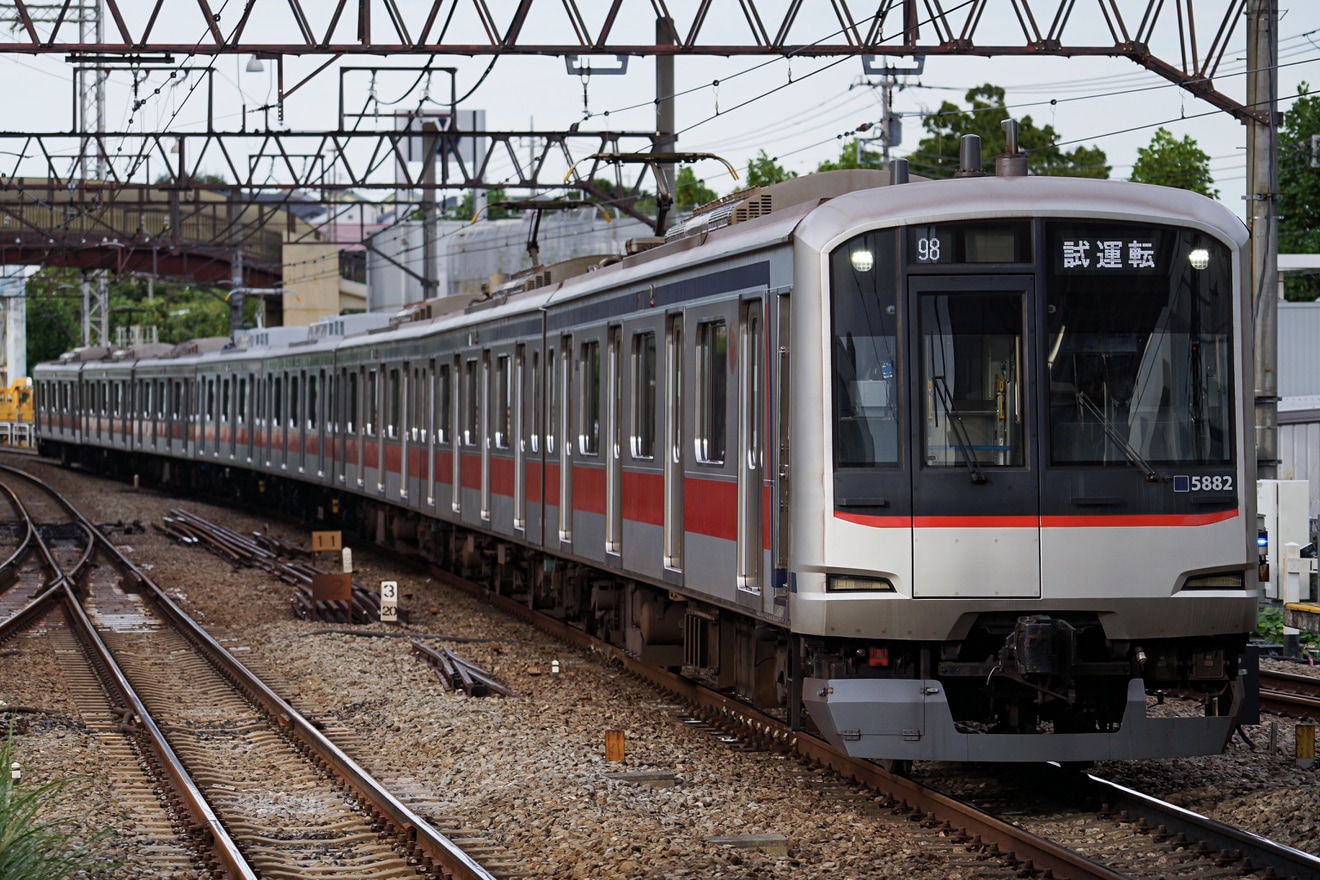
{"x": 939, "y": 470}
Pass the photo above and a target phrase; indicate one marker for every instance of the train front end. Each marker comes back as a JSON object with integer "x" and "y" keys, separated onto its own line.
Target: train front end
{"x": 1037, "y": 474}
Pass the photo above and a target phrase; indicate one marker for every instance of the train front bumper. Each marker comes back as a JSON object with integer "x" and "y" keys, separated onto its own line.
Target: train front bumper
{"x": 909, "y": 720}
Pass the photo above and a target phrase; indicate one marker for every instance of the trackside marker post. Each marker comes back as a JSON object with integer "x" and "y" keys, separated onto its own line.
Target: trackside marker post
{"x": 348, "y": 560}
{"x": 389, "y": 601}
{"x": 614, "y": 745}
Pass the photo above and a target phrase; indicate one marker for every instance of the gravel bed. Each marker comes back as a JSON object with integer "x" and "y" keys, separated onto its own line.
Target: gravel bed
{"x": 530, "y": 774}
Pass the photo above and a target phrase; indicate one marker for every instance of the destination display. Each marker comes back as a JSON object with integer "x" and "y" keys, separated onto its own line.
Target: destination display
{"x": 1097, "y": 249}
{"x": 970, "y": 243}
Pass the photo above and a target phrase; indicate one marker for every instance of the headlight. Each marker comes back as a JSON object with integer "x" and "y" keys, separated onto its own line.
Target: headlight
{"x": 847, "y": 583}
{"x": 1224, "y": 580}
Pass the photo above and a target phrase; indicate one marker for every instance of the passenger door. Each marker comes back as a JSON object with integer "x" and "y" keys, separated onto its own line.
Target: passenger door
{"x": 975, "y": 482}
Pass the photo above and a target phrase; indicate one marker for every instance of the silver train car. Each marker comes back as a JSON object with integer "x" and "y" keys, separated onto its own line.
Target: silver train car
{"x": 946, "y": 470}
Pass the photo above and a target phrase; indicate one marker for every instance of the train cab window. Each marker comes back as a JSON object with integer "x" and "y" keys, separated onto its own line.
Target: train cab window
{"x": 712, "y": 391}
{"x": 470, "y": 404}
{"x": 502, "y": 402}
{"x": 864, "y": 360}
{"x": 643, "y": 396}
{"x": 1139, "y": 348}
{"x": 443, "y": 405}
{"x": 589, "y": 411}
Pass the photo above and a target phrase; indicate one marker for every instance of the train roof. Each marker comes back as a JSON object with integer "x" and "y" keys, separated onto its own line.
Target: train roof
{"x": 933, "y": 201}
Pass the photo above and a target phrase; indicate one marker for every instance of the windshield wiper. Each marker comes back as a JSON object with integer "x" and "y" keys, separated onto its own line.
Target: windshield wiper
{"x": 1119, "y": 441}
{"x": 960, "y": 437}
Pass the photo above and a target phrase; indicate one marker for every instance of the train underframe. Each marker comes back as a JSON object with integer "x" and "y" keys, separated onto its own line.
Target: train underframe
{"x": 987, "y": 696}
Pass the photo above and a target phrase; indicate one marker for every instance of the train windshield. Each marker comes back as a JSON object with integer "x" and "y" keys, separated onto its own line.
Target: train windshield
{"x": 1138, "y": 345}
{"x": 864, "y": 281}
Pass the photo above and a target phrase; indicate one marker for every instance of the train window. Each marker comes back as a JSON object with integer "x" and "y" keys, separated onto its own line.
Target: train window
{"x": 971, "y": 370}
{"x": 225, "y": 398}
{"x": 864, "y": 359}
{"x": 589, "y": 411}
{"x": 210, "y": 399}
{"x": 311, "y": 402}
{"x": 277, "y": 401}
{"x": 443, "y": 405}
{"x": 643, "y": 396}
{"x": 417, "y": 404}
{"x": 502, "y": 402}
{"x": 352, "y": 402}
{"x": 1139, "y": 350}
{"x": 753, "y": 377}
{"x": 372, "y": 414}
{"x": 538, "y": 401}
{"x": 552, "y": 386}
{"x": 392, "y": 404}
{"x": 295, "y": 401}
{"x": 470, "y": 404}
{"x": 712, "y": 391}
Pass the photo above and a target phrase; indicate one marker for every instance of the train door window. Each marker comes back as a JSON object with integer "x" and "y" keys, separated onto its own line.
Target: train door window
{"x": 566, "y": 444}
{"x": 351, "y": 402}
{"x": 538, "y": 402}
{"x": 225, "y": 398}
{"x": 372, "y": 415}
{"x": 971, "y": 364}
{"x": 444, "y": 406}
{"x": 242, "y": 399}
{"x": 711, "y": 391}
{"x": 296, "y": 400}
{"x": 417, "y": 389}
{"x": 552, "y": 388}
{"x": 519, "y": 432}
{"x": 392, "y": 404}
{"x": 313, "y": 412}
{"x": 210, "y": 399}
{"x": 486, "y": 416}
{"x": 673, "y": 536}
{"x": 456, "y": 460}
{"x": 470, "y": 404}
{"x": 589, "y": 410}
{"x": 643, "y": 396}
{"x": 119, "y": 399}
{"x": 613, "y": 417}
{"x": 751, "y": 394}
{"x": 502, "y": 403}
{"x": 277, "y": 401}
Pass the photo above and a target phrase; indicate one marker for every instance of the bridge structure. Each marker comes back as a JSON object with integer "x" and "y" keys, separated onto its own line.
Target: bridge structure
{"x": 180, "y": 232}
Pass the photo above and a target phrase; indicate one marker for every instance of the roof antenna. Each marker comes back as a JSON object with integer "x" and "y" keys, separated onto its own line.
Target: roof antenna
{"x": 1012, "y": 162}
{"x": 969, "y": 157}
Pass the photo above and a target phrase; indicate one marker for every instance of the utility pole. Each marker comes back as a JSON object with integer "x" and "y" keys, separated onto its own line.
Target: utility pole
{"x": 665, "y": 35}
{"x": 236, "y": 293}
{"x": 1263, "y": 221}
{"x": 91, "y": 101}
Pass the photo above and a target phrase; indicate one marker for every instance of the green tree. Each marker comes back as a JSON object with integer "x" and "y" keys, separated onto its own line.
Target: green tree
{"x": 1168, "y": 161}
{"x": 854, "y": 154}
{"x": 1299, "y": 191}
{"x": 179, "y": 311}
{"x": 937, "y": 154}
{"x": 466, "y": 207}
{"x": 689, "y": 192}
{"x": 764, "y": 171}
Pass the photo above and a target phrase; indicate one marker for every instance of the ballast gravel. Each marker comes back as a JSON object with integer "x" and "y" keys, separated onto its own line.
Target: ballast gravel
{"x": 526, "y": 778}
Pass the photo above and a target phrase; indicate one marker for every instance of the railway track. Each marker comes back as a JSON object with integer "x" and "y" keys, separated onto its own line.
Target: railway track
{"x": 1100, "y": 830}
{"x": 250, "y": 788}
{"x": 1288, "y": 693}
